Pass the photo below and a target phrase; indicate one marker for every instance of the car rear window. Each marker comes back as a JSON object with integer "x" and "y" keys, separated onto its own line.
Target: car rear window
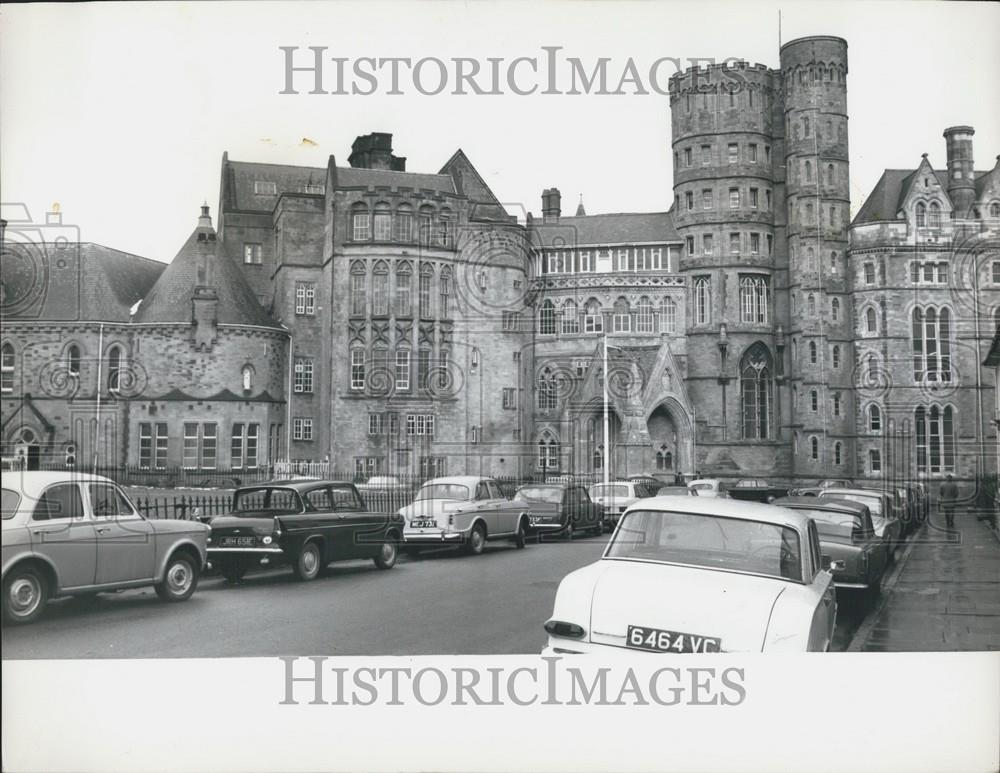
{"x": 618, "y": 492}
{"x": 9, "y": 503}
{"x": 874, "y": 502}
{"x": 831, "y": 523}
{"x": 552, "y": 494}
{"x": 443, "y": 491}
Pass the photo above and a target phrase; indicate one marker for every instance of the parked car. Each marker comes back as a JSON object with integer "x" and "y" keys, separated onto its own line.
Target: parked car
{"x": 380, "y": 483}
{"x": 834, "y": 483}
{"x": 808, "y": 491}
{"x": 756, "y": 490}
{"x": 74, "y": 534}
{"x": 646, "y": 485}
{"x": 559, "y": 508}
{"x": 700, "y": 575}
{"x": 709, "y": 487}
{"x": 306, "y": 524}
{"x": 887, "y": 526}
{"x": 676, "y": 491}
{"x": 846, "y": 533}
{"x": 614, "y": 497}
{"x": 463, "y": 510}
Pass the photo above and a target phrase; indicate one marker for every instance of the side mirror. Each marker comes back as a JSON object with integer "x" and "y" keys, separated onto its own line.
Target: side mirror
{"x": 833, "y": 566}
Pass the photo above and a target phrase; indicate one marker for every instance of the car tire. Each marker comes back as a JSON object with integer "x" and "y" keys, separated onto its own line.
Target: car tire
{"x": 180, "y": 578}
{"x": 521, "y": 537}
{"x": 477, "y": 540}
{"x": 387, "y": 553}
{"x": 233, "y": 571}
{"x": 25, "y": 592}
{"x": 308, "y": 563}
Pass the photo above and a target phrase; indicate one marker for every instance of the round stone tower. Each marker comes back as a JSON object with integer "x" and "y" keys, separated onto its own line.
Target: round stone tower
{"x": 821, "y": 366}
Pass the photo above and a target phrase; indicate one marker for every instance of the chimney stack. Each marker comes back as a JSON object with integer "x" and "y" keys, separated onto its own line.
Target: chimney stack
{"x": 551, "y": 205}
{"x": 961, "y": 177}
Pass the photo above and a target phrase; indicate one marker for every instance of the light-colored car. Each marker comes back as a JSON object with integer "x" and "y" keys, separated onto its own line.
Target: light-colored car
{"x": 614, "y": 497}
{"x": 709, "y": 487}
{"x": 69, "y": 533}
{"x": 887, "y": 526}
{"x": 676, "y": 491}
{"x": 700, "y": 575}
{"x": 382, "y": 483}
{"x": 463, "y": 510}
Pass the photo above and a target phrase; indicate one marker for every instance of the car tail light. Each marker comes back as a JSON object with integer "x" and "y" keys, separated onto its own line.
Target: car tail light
{"x": 863, "y": 563}
{"x": 451, "y": 519}
{"x": 277, "y": 529}
{"x": 560, "y": 628}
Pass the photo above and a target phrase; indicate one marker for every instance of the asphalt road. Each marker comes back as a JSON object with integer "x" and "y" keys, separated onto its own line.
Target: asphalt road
{"x": 440, "y": 603}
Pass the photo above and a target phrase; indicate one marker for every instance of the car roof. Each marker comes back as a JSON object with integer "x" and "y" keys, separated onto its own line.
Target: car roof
{"x": 299, "y": 484}
{"x": 464, "y": 480}
{"x": 31, "y": 483}
{"x": 832, "y": 492}
{"x": 821, "y": 503}
{"x": 548, "y": 484}
{"x": 705, "y": 480}
{"x": 725, "y": 508}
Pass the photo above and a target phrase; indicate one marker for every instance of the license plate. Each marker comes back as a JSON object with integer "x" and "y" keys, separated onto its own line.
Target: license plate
{"x": 656, "y": 640}
{"x": 237, "y": 542}
{"x": 422, "y": 524}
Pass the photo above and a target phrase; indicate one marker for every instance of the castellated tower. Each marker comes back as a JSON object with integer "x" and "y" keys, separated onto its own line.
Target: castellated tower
{"x": 821, "y": 367}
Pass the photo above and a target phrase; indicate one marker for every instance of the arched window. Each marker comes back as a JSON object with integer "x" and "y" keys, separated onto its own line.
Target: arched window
{"x": 874, "y": 418}
{"x": 247, "y": 378}
{"x": 444, "y": 293}
{"x": 813, "y": 400}
{"x": 570, "y": 319}
{"x": 425, "y": 223}
{"x": 593, "y": 319}
{"x": 547, "y": 319}
{"x": 360, "y": 223}
{"x": 753, "y": 299}
{"x": 812, "y": 353}
{"x": 833, "y": 260}
{"x": 812, "y": 302}
{"x": 547, "y": 390}
{"x": 358, "y": 300}
{"x": 382, "y": 222}
{"x": 380, "y": 289}
{"x": 548, "y": 452}
{"x": 835, "y": 309}
{"x": 668, "y": 318}
{"x": 621, "y": 318}
{"x": 73, "y": 360}
{"x": 664, "y": 459}
{"x": 424, "y": 291}
{"x": 805, "y": 127}
{"x": 934, "y": 215}
{"x": 871, "y": 369}
{"x": 7, "y": 360}
{"x": 871, "y": 321}
{"x": 446, "y": 226}
{"x": 921, "y": 214}
{"x": 404, "y": 288}
{"x": 935, "y": 435}
{"x": 702, "y": 313}
{"x": 814, "y": 447}
{"x": 810, "y": 258}
{"x": 755, "y": 392}
{"x": 837, "y": 453}
{"x": 644, "y": 317}
{"x": 114, "y": 368}
{"x": 995, "y": 210}
{"x": 830, "y": 174}
{"x": 809, "y": 166}
{"x": 404, "y": 223}
{"x": 836, "y": 355}
{"x": 931, "y": 333}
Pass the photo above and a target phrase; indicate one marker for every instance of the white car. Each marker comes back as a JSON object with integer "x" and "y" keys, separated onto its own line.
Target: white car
{"x": 463, "y": 510}
{"x": 700, "y": 575}
{"x": 709, "y": 487}
{"x": 615, "y": 497}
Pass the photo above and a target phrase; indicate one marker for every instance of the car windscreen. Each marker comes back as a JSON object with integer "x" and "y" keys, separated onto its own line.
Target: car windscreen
{"x": 551, "y": 494}
{"x": 9, "y": 502}
{"x": 454, "y": 491}
{"x": 833, "y": 523}
{"x": 874, "y": 502}
{"x": 701, "y": 486}
{"x": 609, "y": 491}
{"x": 710, "y": 542}
{"x": 266, "y": 500}
{"x": 666, "y": 491}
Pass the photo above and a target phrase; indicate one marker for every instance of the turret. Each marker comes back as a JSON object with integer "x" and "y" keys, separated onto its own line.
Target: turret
{"x": 961, "y": 177}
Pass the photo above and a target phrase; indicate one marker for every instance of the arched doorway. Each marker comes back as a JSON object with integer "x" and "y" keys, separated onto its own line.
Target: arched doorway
{"x": 26, "y": 449}
{"x": 593, "y": 453}
{"x": 670, "y": 449}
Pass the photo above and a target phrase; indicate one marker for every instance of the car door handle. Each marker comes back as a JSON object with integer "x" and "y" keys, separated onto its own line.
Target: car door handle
{"x": 103, "y": 529}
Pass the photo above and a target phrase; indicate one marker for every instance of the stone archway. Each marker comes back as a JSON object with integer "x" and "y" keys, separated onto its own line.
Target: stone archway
{"x": 671, "y": 438}
{"x": 589, "y": 452}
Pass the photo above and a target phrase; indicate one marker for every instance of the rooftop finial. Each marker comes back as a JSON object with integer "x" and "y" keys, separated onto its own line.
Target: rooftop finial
{"x": 580, "y": 211}
{"x": 205, "y": 221}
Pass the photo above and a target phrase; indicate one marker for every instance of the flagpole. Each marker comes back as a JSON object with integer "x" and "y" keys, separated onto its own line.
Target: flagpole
{"x": 607, "y": 446}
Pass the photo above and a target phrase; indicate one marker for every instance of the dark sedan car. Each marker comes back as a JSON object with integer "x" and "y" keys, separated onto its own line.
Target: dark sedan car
{"x": 304, "y": 523}
{"x": 757, "y": 490}
{"x": 560, "y": 508}
{"x": 846, "y": 534}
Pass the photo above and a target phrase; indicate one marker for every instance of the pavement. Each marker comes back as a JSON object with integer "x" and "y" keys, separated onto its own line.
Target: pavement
{"x": 943, "y": 595}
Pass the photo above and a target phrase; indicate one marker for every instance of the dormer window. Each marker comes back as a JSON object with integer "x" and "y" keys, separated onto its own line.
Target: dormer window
{"x": 264, "y": 188}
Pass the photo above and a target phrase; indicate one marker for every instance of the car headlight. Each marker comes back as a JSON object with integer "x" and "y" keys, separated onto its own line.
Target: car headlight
{"x": 268, "y": 540}
{"x": 561, "y": 628}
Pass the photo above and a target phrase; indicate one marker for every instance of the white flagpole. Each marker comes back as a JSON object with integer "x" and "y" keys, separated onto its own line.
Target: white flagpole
{"x": 607, "y": 445}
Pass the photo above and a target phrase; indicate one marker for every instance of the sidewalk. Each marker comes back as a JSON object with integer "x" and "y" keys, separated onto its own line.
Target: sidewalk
{"x": 944, "y": 595}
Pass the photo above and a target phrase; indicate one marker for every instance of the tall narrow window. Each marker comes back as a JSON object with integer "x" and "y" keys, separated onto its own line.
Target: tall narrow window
{"x": 302, "y": 373}
{"x": 755, "y": 392}
{"x": 702, "y": 288}
{"x": 931, "y": 335}
{"x": 593, "y": 318}
{"x": 402, "y": 371}
{"x": 404, "y": 223}
{"x": 426, "y": 223}
{"x": 570, "y": 320}
{"x": 621, "y": 319}
{"x": 921, "y": 215}
{"x": 547, "y": 319}
{"x": 361, "y": 223}
{"x": 935, "y": 436}
{"x": 357, "y": 369}
{"x": 382, "y": 221}
{"x": 934, "y": 215}
{"x": 668, "y": 317}
{"x": 837, "y": 453}
{"x": 548, "y": 453}
{"x": 644, "y": 317}
{"x": 424, "y": 291}
{"x": 836, "y": 356}
{"x": 380, "y": 289}
{"x": 423, "y": 367}
{"x": 547, "y": 390}
{"x": 7, "y": 360}
{"x": 835, "y": 309}
{"x": 812, "y": 353}
{"x": 444, "y": 293}
{"x": 874, "y": 418}
{"x": 874, "y": 461}
{"x": 871, "y": 321}
{"x": 73, "y": 360}
{"x": 358, "y": 300}
{"x": 814, "y": 448}
{"x": 305, "y": 298}
{"x": 114, "y": 369}
{"x": 404, "y": 275}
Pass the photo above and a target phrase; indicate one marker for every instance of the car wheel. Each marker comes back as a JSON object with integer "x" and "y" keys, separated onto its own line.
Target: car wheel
{"x": 568, "y": 531}
{"x": 25, "y": 592}
{"x": 387, "y": 554}
{"x": 521, "y": 538}
{"x": 477, "y": 540}
{"x": 769, "y": 499}
{"x": 308, "y": 564}
{"x": 232, "y": 571}
{"x": 179, "y": 580}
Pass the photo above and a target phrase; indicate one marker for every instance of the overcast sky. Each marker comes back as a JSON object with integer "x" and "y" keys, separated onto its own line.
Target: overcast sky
{"x": 121, "y": 112}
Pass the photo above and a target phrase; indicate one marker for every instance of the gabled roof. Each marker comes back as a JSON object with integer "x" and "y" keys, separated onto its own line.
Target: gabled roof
{"x": 83, "y": 281}
{"x": 469, "y": 183}
{"x": 616, "y": 228}
{"x": 203, "y": 262}
{"x": 886, "y": 198}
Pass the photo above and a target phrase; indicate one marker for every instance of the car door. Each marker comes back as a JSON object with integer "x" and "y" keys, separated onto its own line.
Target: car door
{"x": 328, "y": 514}
{"x": 365, "y": 529}
{"x": 62, "y": 532}
{"x": 825, "y": 615}
{"x": 126, "y": 547}
{"x": 594, "y": 512}
{"x": 504, "y": 519}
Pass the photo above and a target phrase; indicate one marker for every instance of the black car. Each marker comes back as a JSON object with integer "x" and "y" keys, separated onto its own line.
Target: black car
{"x": 560, "y": 508}
{"x": 303, "y": 523}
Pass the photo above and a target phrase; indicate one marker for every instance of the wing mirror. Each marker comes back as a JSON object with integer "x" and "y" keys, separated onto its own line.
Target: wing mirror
{"x": 833, "y": 566}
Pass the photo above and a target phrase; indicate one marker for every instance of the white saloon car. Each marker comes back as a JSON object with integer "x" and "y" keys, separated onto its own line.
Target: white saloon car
{"x": 615, "y": 497}
{"x": 709, "y": 487}
{"x": 700, "y": 575}
{"x": 463, "y": 510}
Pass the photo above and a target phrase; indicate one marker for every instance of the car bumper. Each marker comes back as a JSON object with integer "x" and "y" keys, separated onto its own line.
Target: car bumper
{"x": 432, "y": 536}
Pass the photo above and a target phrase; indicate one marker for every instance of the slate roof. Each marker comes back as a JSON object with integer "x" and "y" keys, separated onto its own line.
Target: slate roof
{"x": 170, "y": 298}
{"x": 83, "y": 281}
{"x": 294, "y": 179}
{"x": 615, "y": 228}
{"x": 887, "y": 196}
